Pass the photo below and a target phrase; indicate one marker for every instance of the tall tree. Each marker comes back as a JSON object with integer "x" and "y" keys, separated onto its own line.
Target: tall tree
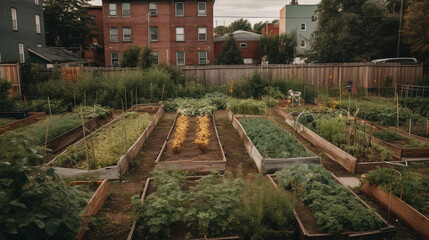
{"x": 230, "y": 54}
{"x": 353, "y": 30}
{"x": 278, "y": 49}
{"x": 66, "y": 23}
{"x": 131, "y": 56}
{"x": 257, "y": 27}
{"x": 221, "y": 30}
{"x": 240, "y": 24}
{"x": 416, "y": 28}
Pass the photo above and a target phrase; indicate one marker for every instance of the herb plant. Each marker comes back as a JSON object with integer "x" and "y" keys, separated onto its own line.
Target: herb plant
{"x": 247, "y": 107}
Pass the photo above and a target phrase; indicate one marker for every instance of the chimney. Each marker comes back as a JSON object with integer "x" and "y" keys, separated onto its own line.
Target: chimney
{"x": 294, "y": 2}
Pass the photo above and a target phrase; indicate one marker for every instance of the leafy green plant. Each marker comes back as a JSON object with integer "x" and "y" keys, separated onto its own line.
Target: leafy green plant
{"x": 264, "y": 213}
{"x": 247, "y": 107}
{"x": 190, "y": 106}
{"x": 271, "y": 140}
{"x": 131, "y": 56}
{"x": 333, "y": 206}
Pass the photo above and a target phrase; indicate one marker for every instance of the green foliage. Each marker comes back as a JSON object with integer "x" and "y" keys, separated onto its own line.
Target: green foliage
{"x": 190, "y": 106}
{"x": 230, "y": 54}
{"x": 240, "y": 24}
{"x": 418, "y": 105}
{"x": 4, "y": 121}
{"x": 219, "y": 100}
{"x": 41, "y": 105}
{"x": 332, "y": 205}
{"x": 388, "y": 136}
{"x": 271, "y": 140}
{"x": 413, "y": 186}
{"x": 221, "y": 30}
{"x": 265, "y": 214}
{"x": 284, "y": 85}
{"x": 247, "y": 107}
{"x": 131, "y": 56}
{"x": 257, "y": 85}
{"x": 146, "y": 58}
{"x": 416, "y": 27}
{"x": 278, "y": 49}
{"x": 207, "y": 209}
{"x": 35, "y": 204}
{"x": 5, "y": 102}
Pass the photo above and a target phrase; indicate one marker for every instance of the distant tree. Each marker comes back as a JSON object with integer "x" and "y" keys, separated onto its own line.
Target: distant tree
{"x": 146, "y": 58}
{"x": 275, "y": 21}
{"x": 230, "y": 54}
{"x": 241, "y": 24}
{"x": 257, "y": 27}
{"x": 416, "y": 28}
{"x": 221, "y": 30}
{"x": 278, "y": 49}
{"x": 131, "y": 56}
{"x": 66, "y": 23}
{"x": 353, "y": 31}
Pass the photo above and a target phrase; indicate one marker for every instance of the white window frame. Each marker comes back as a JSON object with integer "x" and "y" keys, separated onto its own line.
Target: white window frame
{"x": 128, "y": 13}
{"x": 177, "y": 58}
{"x": 180, "y": 34}
{"x": 314, "y": 18}
{"x": 302, "y": 46}
{"x": 153, "y": 13}
{"x": 200, "y": 11}
{"x": 14, "y": 19}
{"x": 243, "y": 45}
{"x": 113, "y": 9}
{"x": 313, "y": 35}
{"x": 157, "y": 34}
{"x": 130, "y": 39}
{"x": 36, "y": 2}
{"x": 155, "y": 55}
{"x": 305, "y": 27}
{"x": 183, "y": 9}
{"x": 21, "y": 52}
{"x": 112, "y": 40}
{"x": 202, "y": 31}
{"x": 204, "y": 62}
{"x": 37, "y": 20}
{"x": 111, "y": 59}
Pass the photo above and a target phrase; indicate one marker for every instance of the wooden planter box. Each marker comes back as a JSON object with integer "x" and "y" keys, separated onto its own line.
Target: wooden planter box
{"x": 117, "y": 171}
{"x": 32, "y": 118}
{"x": 94, "y": 204}
{"x": 194, "y": 162}
{"x": 385, "y": 231}
{"x": 408, "y": 214}
{"x": 75, "y": 134}
{"x": 144, "y": 195}
{"x": 267, "y": 165}
{"x": 346, "y": 160}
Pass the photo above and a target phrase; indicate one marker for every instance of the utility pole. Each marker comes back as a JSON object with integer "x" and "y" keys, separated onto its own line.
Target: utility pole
{"x": 400, "y": 29}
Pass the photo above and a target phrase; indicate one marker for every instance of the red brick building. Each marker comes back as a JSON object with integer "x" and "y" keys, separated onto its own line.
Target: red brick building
{"x": 247, "y": 42}
{"x": 270, "y": 29}
{"x": 178, "y": 32}
{"x": 95, "y": 52}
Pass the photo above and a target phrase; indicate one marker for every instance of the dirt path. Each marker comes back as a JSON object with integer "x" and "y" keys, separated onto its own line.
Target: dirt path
{"x": 113, "y": 220}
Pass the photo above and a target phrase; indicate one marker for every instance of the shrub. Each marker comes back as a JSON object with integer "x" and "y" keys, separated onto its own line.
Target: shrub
{"x": 146, "y": 58}
{"x": 247, "y": 107}
{"x": 131, "y": 56}
{"x": 257, "y": 85}
{"x": 5, "y": 103}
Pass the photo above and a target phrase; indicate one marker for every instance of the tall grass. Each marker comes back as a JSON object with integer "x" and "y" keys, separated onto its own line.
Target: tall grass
{"x": 247, "y": 107}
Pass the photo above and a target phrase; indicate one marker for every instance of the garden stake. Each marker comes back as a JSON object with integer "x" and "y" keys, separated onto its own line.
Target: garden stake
{"x": 92, "y": 146}
{"x": 136, "y": 101}
{"x": 126, "y": 107}
{"x": 131, "y": 94}
{"x": 125, "y": 127}
{"x": 397, "y": 109}
{"x": 162, "y": 93}
{"x": 84, "y": 139}
{"x": 47, "y": 126}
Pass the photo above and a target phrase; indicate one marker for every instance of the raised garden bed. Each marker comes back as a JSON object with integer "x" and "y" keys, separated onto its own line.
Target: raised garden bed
{"x": 14, "y": 124}
{"x": 74, "y": 156}
{"x": 180, "y": 230}
{"x": 15, "y": 114}
{"x": 308, "y": 227}
{"x": 346, "y": 160}
{"x": 94, "y": 204}
{"x": 265, "y": 163}
{"x": 190, "y": 157}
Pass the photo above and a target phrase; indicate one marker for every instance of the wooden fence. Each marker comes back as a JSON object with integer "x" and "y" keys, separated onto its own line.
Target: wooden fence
{"x": 11, "y": 73}
{"x": 321, "y": 76}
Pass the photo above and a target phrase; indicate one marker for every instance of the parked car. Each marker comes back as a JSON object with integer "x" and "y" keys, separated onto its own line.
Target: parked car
{"x": 403, "y": 60}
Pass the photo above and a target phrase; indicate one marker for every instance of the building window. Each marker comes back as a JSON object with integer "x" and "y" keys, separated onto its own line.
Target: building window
{"x": 36, "y": 2}
{"x": 21, "y": 53}
{"x": 126, "y": 32}
{"x": 155, "y": 58}
{"x": 243, "y": 45}
{"x": 37, "y": 18}
{"x": 180, "y": 34}
{"x": 93, "y": 21}
{"x": 126, "y": 10}
{"x": 153, "y": 9}
{"x": 14, "y": 19}
{"x": 112, "y": 9}
{"x": 114, "y": 59}
{"x": 180, "y": 9}
{"x": 39, "y": 45}
{"x": 154, "y": 33}
{"x": 202, "y": 57}
{"x": 202, "y": 34}
{"x": 313, "y": 35}
{"x": 180, "y": 58}
{"x": 202, "y": 9}
{"x": 314, "y": 18}
{"x": 302, "y": 44}
{"x": 303, "y": 27}
{"x": 114, "y": 34}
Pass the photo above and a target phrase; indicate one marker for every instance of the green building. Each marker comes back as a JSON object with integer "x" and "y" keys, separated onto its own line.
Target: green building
{"x": 21, "y": 28}
{"x": 303, "y": 20}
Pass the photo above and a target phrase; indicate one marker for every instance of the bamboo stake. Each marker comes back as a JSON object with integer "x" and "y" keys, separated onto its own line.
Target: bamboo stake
{"x": 397, "y": 108}
{"x": 47, "y": 127}
{"x": 126, "y": 107}
{"x": 136, "y": 101}
{"x": 125, "y": 127}
{"x": 162, "y": 93}
{"x": 84, "y": 139}
{"x": 92, "y": 147}
{"x": 131, "y": 102}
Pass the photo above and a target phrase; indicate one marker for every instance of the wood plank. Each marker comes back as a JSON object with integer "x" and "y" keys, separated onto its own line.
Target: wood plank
{"x": 33, "y": 117}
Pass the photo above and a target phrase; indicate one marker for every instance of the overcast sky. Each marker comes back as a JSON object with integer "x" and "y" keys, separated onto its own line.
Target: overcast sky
{"x": 226, "y": 11}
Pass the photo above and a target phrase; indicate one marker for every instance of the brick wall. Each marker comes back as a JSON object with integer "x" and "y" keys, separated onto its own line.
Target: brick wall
{"x": 251, "y": 51}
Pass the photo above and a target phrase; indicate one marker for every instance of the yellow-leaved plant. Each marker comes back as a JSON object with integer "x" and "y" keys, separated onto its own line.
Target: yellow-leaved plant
{"x": 203, "y": 133}
{"x": 182, "y": 125}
